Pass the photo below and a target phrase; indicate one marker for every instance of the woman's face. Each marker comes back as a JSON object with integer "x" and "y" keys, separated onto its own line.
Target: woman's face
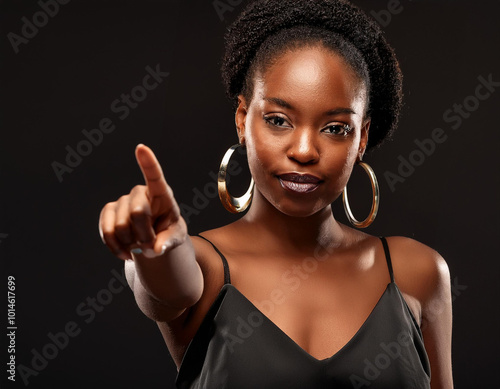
{"x": 304, "y": 129}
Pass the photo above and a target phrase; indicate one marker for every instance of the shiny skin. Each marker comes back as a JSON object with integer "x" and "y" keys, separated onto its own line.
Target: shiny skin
{"x": 305, "y": 135}
{"x": 307, "y": 116}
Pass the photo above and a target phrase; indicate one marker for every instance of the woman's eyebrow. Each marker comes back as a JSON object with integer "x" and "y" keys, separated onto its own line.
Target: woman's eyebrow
{"x": 278, "y": 101}
{"x": 338, "y": 111}
{"x": 284, "y": 104}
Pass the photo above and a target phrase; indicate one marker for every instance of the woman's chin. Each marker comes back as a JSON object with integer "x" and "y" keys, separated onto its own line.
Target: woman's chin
{"x": 300, "y": 210}
{"x": 293, "y": 206}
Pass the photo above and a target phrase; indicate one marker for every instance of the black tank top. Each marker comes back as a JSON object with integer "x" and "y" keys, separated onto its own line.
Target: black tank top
{"x": 238, "y": 347}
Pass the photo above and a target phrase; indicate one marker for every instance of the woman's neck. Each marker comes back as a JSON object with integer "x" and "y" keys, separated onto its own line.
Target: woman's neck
{"x": 273, "y": 228}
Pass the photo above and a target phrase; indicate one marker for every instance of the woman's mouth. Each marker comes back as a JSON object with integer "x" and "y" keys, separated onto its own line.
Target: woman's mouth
{"x": 299, "y": 183}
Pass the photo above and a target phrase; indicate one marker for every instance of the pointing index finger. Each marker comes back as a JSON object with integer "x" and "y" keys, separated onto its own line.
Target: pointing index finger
{"x": 151, "y": 170}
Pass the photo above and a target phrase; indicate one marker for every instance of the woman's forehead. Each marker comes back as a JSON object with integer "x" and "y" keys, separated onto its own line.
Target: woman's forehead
{"x": 310, "y": 75}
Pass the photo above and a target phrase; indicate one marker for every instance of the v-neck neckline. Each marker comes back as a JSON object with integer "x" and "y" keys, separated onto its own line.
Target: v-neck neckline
{"x": 219, "y": 322}
{"x": 293, "y": 342}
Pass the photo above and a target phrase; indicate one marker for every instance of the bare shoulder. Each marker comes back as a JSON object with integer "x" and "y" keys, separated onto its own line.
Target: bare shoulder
{"x": 213, "y": 278}
{"x": 411, "y": 252}
{"x": 209, "y": 260}
{"x": 207, "y": 257}
{"x": 419, "y": 270}
{"x": 423, "y": 274}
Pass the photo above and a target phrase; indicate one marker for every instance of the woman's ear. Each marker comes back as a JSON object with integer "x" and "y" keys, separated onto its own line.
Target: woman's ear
{"x": 240, "y": 118}
{"x": 364, "y": 139}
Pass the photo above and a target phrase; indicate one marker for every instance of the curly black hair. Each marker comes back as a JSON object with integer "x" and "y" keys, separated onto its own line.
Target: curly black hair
{"x": 267, "y": 27}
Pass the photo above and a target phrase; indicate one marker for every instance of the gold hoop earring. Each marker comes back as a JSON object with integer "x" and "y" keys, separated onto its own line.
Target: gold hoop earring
{"x": 232, "y": 204}
{"x": 375, "y": 202}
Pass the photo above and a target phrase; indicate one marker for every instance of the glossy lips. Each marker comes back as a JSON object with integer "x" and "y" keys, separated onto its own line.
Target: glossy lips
{"x": 299, "y": 183}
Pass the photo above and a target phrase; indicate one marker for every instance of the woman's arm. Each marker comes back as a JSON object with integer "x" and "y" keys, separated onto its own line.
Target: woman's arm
{"x": 165, "y": 286}
{"x": 423, "y": 274}
{"x": 437, "y": 322}
{"x": 146, "y": 226}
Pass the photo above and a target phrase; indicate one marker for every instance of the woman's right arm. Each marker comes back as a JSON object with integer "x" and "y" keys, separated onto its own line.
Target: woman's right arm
{"x": 145, "y": 228}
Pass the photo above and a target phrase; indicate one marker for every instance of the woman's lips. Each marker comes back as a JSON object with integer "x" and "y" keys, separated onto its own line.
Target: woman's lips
{"x": 299, "y": 183}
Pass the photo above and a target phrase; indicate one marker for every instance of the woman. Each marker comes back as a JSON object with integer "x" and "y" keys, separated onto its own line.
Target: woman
{"x": 286, "y": 296}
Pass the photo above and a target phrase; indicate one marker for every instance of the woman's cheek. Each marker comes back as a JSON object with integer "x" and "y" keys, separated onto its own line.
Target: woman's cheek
{"x": 260, "y": 164}
{"x": 342, "y": 164}
{"x": 256, "y": 163}
{"x": 261, "y": 150}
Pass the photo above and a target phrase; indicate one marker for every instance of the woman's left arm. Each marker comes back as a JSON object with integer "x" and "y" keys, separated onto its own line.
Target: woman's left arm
{"x": 423, "y": 275}
{"x": 437, "y": 322}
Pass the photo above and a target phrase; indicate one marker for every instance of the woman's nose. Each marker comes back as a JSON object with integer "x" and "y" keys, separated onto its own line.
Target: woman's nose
{"x": 303, "y": 147}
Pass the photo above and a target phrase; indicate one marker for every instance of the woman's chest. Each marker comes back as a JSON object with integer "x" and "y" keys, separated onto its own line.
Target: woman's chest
{"x": 237, "y": 345}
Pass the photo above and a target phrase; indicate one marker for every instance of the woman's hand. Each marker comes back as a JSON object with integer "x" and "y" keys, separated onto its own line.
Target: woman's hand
{"x": 146, "y": 220}
{"x": 147, "y": 227}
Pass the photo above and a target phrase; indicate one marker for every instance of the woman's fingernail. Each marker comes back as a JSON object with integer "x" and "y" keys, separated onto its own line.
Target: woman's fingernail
{"x": 150, "y": 253}
{"x": 163, "y": 249}
{"x": 136, "y": 251}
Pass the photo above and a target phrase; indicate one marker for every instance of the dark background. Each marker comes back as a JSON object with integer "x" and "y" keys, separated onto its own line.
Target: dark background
{"x": 64, "y": 80}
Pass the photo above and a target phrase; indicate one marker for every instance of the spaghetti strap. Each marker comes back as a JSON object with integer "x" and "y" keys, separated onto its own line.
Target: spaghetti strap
{"x": 387, "y": 257}
{"x": 227, "y": 277}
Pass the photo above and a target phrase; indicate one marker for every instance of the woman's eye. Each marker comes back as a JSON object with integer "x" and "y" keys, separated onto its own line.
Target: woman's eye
{"x": 277, "y": 121}
{"x": 338, "y": 129}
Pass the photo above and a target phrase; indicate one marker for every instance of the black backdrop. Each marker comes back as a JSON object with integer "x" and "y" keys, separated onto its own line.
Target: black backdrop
{"x": 65, "y": 67}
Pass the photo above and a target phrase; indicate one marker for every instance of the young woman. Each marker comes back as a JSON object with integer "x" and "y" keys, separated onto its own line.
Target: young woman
{"x": 287, "y": 297}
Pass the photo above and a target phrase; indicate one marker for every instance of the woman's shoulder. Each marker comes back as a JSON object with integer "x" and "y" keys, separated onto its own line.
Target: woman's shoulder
{"x": 412, "y": 256}
{"x": 209, "y": 246}
{"x": 419, "y": 270}
{"x": 221, "y": 237}
{"x": 206, "y": 244}
{"x": 213, "y": 279}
